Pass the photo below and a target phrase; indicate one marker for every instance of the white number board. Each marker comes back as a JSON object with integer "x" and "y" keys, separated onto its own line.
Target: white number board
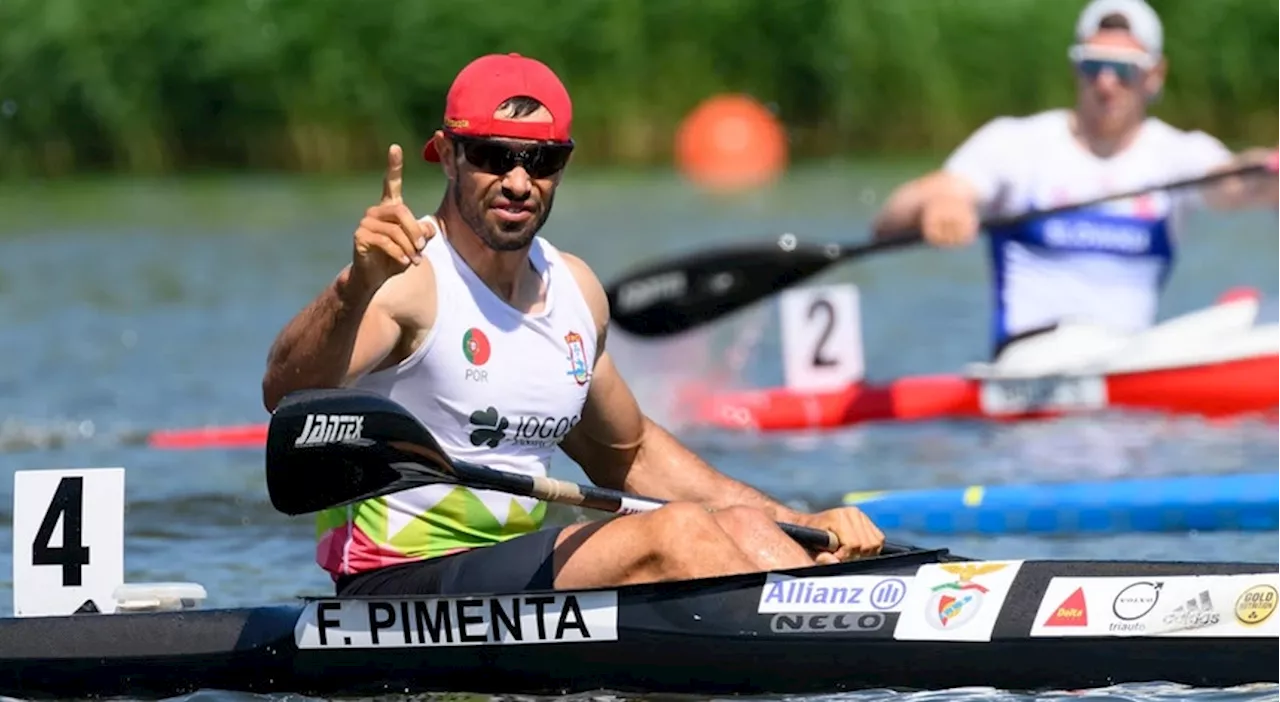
{"x": 821, "y": 336}
{"x": 68, "y": 540}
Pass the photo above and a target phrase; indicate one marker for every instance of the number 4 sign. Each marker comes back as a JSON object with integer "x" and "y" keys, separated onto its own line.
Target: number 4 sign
{"x": 68, "y": 540}
{"x": 821, "y": 337}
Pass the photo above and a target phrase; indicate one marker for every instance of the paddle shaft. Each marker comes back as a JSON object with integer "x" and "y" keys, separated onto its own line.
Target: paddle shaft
{"x": 394, "y": 452}
{"x": 916, "y": 236}
{"x": 606, "y": 500}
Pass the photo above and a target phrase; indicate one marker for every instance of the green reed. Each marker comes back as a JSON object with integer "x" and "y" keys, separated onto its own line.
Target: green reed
{"x": 153, "y": 86}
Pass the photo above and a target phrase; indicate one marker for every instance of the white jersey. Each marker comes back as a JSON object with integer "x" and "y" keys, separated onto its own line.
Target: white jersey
{"x": 497, "y": 387}
{"x": 1105, "y": 265}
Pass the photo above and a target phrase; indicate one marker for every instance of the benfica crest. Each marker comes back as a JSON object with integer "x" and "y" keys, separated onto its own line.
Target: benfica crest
{"x": 956, "y": 602}
{"x": 577, "y": 358}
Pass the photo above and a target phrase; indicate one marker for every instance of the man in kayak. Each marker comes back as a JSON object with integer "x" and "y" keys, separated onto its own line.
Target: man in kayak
{"x": 1104, "y": 265}
{"x": 495, "y": 340}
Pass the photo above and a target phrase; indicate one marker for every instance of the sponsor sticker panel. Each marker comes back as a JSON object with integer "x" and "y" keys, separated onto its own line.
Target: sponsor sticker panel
{"x": 1182, "y": 605}
{"x": 955, "y": 601}
{"x": 841, "y": 594}
{"x": 844, "y": 605}
{"x": 1005, "y": 396}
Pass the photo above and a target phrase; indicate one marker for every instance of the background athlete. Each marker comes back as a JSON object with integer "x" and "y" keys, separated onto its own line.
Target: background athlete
{"x": 496, "y": 341}
{"x": 1104, "y": 265}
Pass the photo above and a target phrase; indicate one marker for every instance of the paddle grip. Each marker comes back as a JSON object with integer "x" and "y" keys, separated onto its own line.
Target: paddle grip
{"x": 817, "y": 539}
{"x": 823, "y": 540}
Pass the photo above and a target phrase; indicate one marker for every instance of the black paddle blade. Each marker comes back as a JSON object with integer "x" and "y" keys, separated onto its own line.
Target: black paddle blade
{"x": 328, "y": 448}
{"x": 673, "y": 296}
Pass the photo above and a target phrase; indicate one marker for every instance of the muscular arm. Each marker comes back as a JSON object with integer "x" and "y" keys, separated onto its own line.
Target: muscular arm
{"x": 971, "y": 176}
{"x": 901, "y": 212}
{"x": 619, "y": 447}
{"x": 349, "y": 330}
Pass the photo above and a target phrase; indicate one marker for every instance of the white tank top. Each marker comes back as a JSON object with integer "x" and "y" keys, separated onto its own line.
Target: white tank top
{"x": 495, "y": 386}
{"x": 1105, "y": 264}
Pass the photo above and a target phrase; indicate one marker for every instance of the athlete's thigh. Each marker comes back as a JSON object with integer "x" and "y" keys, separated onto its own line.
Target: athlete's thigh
{"x": 678, "y": 540}
{"x": 582, "y": 561}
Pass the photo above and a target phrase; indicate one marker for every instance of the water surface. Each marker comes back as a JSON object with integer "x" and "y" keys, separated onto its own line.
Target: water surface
{"x": 132, "y": 305}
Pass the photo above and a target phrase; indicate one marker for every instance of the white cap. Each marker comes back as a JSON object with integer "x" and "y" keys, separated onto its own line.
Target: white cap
{"x": 1144, "y": 23}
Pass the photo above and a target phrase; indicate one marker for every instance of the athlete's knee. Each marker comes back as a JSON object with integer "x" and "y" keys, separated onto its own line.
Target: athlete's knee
{"x": 760, "y": 537}
{"x": 678, "y": 522}
{"x": 744, "y": 523}
{"x": 680, "y": 531}
{"x": 689, "y": 524}
{"x": 739, "y": 519}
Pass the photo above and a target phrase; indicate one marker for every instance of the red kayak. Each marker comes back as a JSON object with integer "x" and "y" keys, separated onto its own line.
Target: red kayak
{"x": 240, "y": 436}
{"x": 1212, "y": 363}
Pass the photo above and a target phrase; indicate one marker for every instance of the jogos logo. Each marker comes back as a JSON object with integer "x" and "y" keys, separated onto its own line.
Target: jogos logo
{"x": 490, "y": 428}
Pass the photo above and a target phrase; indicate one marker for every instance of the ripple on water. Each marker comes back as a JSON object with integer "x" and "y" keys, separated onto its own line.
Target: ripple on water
{"x": 1146, "y": 692}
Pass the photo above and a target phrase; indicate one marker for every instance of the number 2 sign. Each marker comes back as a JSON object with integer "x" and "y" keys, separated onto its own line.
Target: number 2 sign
{"x": 68, "y": 540}
{"x": 821, "y": 336}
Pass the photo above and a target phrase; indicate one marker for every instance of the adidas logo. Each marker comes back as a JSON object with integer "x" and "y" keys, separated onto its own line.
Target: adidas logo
{"x": 1195, "y": 613}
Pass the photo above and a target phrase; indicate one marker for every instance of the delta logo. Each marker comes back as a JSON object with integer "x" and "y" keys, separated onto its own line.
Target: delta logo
{"x": 1072, "y": 611}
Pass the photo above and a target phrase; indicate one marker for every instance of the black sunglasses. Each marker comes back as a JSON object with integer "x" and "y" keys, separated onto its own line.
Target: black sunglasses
{"x": 501, "y": 157}
{"x": 1126, "y": 71}
{"x": 1091, "y": 62}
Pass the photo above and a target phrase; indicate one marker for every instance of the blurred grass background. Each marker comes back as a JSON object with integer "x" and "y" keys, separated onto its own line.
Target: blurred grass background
{"x": 158, "y": 86}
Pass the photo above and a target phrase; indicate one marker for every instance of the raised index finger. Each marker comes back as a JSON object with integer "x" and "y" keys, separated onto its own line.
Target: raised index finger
{"x": 394, "y": 179}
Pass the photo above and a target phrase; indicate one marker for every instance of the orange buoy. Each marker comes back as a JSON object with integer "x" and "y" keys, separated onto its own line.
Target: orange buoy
{"x": 731, "y": 142}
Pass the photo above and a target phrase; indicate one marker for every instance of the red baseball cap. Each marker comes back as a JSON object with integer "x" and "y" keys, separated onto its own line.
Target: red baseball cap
{"x": 491, "y": 80}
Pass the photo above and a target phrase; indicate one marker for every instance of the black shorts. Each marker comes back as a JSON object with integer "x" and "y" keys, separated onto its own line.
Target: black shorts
{"x": 516, "y": 565}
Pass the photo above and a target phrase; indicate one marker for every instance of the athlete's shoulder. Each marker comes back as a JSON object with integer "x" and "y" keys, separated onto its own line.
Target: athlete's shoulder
{"x": 409, "y": 296}
{"x": 1005, "y": 139}
{"x": 1190, "y": 149}
{"x": 592, "y": 290}
{"x": 991, "y": 155}
{"x": 1169, "y": 134}
{"x": 1022, "y": 124}
{"x": 1037, "y": 125}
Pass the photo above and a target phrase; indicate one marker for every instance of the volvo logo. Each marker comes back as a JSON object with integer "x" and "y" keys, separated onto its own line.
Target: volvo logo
{"x": 1136, "y": 600}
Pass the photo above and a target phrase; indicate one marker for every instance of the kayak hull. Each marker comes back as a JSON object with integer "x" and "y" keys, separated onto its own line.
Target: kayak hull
{"x": 1214, "y": 362}
{"x": 698, "y": 637}
{"x": 1232, "y": 502}
{"x": 1240, "y": 387}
